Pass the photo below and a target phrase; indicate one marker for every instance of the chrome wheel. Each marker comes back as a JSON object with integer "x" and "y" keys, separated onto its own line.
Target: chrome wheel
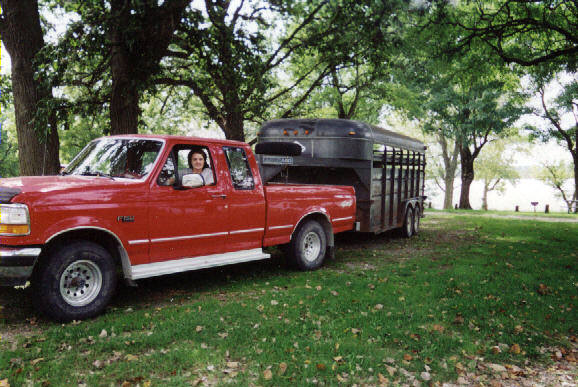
{"x": 311, "y": 246}
{"x": 80, "y": 283}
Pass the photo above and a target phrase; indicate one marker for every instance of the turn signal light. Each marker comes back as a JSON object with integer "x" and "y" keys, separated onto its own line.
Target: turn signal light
{"x": 295, "y": 132}
{"x": 285, "y": 132}
{"x": 14, "y": 229}
{"x": 351, "y": 133}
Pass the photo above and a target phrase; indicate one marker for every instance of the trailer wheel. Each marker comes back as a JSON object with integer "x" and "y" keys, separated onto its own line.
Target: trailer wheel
{"x": 416, "y": 220}
{"x": 76, "y": 282}
{"x": 407, "y": 228}
{"x": 307, "y": 248}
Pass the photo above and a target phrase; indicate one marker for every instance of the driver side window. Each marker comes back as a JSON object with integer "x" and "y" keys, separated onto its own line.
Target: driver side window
{"x": 178, "y": 164}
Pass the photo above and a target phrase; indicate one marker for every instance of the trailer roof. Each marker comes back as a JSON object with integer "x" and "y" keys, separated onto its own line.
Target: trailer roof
{"x": 323, "y": 127}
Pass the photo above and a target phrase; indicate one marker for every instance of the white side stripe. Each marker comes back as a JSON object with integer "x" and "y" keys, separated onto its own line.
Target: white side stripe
{"x": 138, "y": 242}
{"x": 184, "y": 237}
{"x": 339, "y": 219}
{"x": 246, "y": 231}
{"x": 187, "y": 237}
{"x": 280, "y": 227}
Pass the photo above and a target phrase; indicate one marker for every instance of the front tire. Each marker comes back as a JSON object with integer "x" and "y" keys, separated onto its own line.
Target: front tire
{"x": 76, "y": 282}
{"x": 307, "y": 248}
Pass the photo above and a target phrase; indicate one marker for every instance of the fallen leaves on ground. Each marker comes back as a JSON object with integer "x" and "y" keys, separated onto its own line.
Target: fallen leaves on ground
{"x": 282, "y": 368}
{"x": 267, "y": 374}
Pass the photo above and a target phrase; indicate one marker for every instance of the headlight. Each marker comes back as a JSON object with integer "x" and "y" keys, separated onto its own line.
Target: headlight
{"x": 14, "y": 219}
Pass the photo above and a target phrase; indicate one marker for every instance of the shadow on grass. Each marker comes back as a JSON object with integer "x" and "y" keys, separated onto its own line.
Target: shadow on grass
{"x": 17, "y": 311}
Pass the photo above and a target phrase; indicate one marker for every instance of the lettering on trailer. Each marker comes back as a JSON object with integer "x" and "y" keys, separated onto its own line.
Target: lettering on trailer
{"x": 125, "y": 219}
{"x": 278, "y": 160}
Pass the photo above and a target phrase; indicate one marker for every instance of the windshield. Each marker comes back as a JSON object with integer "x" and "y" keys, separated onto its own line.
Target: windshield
{"x": 114, "y": 157}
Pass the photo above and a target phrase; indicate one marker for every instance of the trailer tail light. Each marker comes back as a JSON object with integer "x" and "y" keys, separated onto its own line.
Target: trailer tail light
{"x": 351, "y": 133}
{"x": 307, "y": 132}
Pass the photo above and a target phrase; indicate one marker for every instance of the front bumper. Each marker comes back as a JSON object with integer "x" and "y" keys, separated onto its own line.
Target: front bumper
{"x": 16, "y": 264}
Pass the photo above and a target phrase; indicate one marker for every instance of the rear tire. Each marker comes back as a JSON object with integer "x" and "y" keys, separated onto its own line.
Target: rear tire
{"x": 407, "y": 228}
{"x": 416, "y": 220}
{"x": 308, "y": 246}
{"x": 76, "y": 282}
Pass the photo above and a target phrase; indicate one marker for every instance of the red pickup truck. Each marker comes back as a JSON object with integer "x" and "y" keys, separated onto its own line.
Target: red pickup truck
{"x": 133, "y": 205}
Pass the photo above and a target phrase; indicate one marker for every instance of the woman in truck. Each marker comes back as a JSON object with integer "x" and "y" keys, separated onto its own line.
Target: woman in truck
{"x": 198, "y": 164}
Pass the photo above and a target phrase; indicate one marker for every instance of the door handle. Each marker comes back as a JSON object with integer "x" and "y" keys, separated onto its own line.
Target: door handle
{"x": 221, "y": 196}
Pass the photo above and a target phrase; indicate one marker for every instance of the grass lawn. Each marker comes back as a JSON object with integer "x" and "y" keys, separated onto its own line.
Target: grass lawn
{"x": 468, "y": 291}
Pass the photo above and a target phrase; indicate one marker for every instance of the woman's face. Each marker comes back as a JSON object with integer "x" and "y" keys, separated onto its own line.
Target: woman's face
{"x": 197, "y": 161}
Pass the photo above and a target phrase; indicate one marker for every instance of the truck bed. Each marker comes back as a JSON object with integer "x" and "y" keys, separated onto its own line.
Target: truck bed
{"x": 287, "y": 204}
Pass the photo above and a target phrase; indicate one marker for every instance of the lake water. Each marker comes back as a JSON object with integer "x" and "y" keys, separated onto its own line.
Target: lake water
{"x": 520, "y": 194}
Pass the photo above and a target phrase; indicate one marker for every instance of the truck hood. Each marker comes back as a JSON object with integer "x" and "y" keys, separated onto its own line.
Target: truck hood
{"x": 57, "y": 188}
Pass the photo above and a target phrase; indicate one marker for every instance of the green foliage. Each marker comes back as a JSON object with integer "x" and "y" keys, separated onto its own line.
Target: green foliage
{"x": 494, "y": 167}
{"x": 353, "y": 62}
{"x": 528, "y": 33}
{"x": 8, "y": 145}
{"x": 557, "y": 175}
{"x": 552, "y": 110}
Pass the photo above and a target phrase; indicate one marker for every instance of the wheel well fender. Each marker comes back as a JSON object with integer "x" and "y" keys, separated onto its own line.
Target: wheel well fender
{"x": 408, "y": 206}
{"x": 100, "y": 236}
{"x": 323, "y": 220}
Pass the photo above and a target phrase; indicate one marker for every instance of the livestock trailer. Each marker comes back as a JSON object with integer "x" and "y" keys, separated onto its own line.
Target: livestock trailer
{"x": 386, "y": 169}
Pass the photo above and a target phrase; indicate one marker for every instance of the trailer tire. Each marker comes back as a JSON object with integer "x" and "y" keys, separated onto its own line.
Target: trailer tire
{"x": 407, "y": 228}
{"x": 307, "y": 248}
{"x": 76, "y": 282}
{"x": 416, "y": 220}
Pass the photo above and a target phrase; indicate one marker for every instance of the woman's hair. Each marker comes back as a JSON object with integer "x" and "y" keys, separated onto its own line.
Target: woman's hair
{"x": 202, "y": 153}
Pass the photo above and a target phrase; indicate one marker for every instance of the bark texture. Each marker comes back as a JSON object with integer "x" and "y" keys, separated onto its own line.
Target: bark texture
{"x": 136, "y": 53}
{"x": 450, "y": 166}
{"x": 38, "y": 143}
{"x": 467, "y": 164}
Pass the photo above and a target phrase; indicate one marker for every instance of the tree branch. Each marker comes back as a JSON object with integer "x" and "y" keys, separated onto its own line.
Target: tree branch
{"x": 554, "y": 122}
{"x": 306, "y": 94}
{"x": 213, "y": 111}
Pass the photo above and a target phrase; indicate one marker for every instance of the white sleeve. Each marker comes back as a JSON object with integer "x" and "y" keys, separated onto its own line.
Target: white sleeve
{"x": 208, "y": 176}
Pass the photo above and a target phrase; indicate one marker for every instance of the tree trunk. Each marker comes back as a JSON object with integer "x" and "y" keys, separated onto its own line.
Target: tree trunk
{"x": 135, "y": 55}
{"x": 38, "y": 144}
{"x": 124, "y": 98}
{"x": 467, "y": 163}
{"x": 449, "y": 192}
{"x": 234, "y": 125}
{"x": 575, "y": 158}
{"x": 485, "y": 197}
{"x": 450, "y": 166}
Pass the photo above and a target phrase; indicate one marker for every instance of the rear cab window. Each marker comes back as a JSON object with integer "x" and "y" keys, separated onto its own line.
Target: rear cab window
{"x": 241, "y": 175}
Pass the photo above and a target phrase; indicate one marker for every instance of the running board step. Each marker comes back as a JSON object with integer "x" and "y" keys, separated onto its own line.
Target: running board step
{"x": 189, "y": 264}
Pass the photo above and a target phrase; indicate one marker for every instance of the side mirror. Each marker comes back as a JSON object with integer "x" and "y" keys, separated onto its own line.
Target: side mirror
{"x": 193, "y": 180}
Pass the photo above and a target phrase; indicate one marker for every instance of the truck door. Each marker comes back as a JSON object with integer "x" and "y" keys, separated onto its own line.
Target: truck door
{"x": 246, "y": 201}
{"x": 187, "y": 222}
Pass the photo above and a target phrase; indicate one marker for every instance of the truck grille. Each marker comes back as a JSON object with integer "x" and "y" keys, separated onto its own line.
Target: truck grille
{"x": 6, "y": 194}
